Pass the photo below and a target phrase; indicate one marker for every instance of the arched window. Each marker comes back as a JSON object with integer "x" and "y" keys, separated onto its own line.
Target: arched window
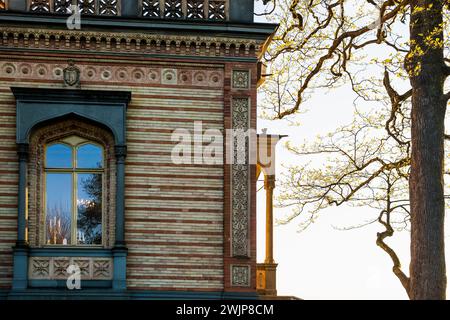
{"x": 74, "y": 189}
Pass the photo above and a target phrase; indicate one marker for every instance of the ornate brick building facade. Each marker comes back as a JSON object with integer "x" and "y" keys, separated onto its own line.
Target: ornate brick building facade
{"x": 87, "y": 112}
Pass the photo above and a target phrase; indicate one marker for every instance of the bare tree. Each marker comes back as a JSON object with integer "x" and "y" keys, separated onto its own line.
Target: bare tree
{"x": 326, "y": 44}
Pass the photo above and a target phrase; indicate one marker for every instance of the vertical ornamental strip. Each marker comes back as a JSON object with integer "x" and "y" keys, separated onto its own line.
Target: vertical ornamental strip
{"x": 240, "y": 178}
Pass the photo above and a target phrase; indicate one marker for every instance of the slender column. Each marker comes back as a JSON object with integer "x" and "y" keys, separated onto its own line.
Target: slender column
{"x": 120, "y": 250}
{"x": 269, "y": 185}
{"x": 21, "y": 249}
{"x": 22, "y": 152}
{"x": 121, "y": 153}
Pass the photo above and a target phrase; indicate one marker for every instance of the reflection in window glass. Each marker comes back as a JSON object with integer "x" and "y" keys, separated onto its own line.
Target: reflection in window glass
{"x": 74, "y": 171}
{"x": 89, "y": 156}
{"x": 58, "y": 156}
{"x": 89, "y": 209}
{"x": 58, "y": 208}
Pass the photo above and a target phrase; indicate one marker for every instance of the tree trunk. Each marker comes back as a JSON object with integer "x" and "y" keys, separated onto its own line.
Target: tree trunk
{"x": 427, "y": 269}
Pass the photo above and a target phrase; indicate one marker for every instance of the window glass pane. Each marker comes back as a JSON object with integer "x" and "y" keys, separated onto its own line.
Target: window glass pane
{"x": 58, "y": 156}
{"x": 89, "y": 206}
{"x": 59, "y": 208}
{"x": 90, "y": 156}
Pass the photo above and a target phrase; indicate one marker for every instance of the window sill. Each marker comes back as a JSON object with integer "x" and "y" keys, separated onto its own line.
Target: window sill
{"x": 67, "y": 251}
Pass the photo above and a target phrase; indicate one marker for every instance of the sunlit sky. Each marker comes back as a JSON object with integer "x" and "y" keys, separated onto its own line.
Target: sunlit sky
{"x": 323, "y": 262}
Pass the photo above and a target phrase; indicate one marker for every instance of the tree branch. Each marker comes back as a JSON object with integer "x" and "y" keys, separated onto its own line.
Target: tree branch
{"x": 389, "y": 232}
{"x": 396, "y": 102}
{"x": 338, "y": 41}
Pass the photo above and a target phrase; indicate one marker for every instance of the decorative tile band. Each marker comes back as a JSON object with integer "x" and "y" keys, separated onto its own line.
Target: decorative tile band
{"x": 240, "y": 180}
{"x": 46, "y": 268}
{"x": 111, "y": 74}
{"x": 240, "y": 276}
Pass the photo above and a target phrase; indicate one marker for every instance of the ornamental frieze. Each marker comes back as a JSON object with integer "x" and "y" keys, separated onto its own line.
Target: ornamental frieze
{"x": 112, "y": 74}
{"x": 64, "y": 40}
{"x": 55, "y": 268}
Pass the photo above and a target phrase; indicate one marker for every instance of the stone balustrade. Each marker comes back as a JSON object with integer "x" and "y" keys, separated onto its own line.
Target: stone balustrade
{"x": 156, "y": 9}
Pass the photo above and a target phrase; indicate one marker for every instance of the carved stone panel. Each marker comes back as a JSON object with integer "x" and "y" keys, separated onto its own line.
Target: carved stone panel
{"x": 108, "y": 7}
{"x": 55, "y": 268}
{"x": 240, "y": 276}
{"x": 40, "y": 268}
{"x": 40, "y": 6}
{"x": 241, "y": 79}
{"x": 151, "y": 8}
{"x": 240, "y": 179}
{"x": 195, "y": 9}
{"x": 62, "y": 6}
{"x": 217, "y": 10}
{"x": 87, "y": 7}
{"x": 102, "y": 269}
{"x": 60, "y": 266}
{"x": 173, "y": 9}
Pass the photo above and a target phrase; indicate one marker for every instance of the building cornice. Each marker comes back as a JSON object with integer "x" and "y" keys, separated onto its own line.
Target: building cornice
{"x": 131, "y": 42}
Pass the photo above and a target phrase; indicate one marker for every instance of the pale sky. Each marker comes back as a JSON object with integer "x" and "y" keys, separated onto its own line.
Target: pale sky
{"x": 322, "y": 262}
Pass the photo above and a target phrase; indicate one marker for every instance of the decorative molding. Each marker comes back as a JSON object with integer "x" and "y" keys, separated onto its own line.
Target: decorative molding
{"x": 90, "y": 41}
{"x": 240, "y": 275}
{"x": 241, "y": 79}
{"x": 240, "y": 180}
{"x": 55, "y": 268}
{"x": 113, "y": 74}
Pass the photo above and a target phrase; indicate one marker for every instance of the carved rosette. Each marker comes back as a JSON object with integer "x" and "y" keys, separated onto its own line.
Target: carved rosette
{"x": 240, "y": 179}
